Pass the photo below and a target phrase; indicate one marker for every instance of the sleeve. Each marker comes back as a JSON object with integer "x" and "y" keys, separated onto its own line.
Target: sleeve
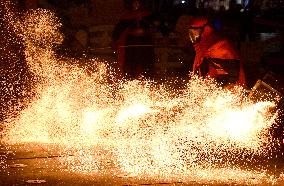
{"x": 222, "y": 50}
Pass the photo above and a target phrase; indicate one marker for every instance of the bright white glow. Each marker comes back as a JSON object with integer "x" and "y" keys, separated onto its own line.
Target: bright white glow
{"x": 141, "y": 128}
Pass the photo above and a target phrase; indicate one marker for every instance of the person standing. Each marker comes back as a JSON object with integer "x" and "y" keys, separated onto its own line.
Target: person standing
{"x": 248, "y": 12}
{"x": 133, "y": 41}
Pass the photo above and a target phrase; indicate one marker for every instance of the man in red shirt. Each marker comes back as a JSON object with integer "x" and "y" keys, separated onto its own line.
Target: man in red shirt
{"x": 215, "y": 55}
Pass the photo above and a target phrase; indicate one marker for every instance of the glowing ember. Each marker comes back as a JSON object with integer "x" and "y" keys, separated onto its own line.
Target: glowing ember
{"x": 145, "y": 130}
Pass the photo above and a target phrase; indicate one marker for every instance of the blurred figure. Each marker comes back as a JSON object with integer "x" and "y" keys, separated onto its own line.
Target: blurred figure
{"x": 133, "y": 41}
{"x": 247, "y": 14}
{"x": 215, "y": 55}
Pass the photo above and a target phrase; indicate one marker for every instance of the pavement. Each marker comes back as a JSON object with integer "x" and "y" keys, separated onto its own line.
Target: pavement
{"x": 36, "y": 164}
{"x": 45, "y": 164}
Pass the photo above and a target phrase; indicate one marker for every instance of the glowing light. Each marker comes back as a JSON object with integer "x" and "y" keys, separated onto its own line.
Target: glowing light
{"x": 134, "y": 111}
{"x": 143, "y": 128}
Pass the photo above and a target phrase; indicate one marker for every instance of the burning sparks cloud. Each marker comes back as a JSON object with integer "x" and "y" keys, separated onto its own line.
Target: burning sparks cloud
{"x": 141, "y": 127}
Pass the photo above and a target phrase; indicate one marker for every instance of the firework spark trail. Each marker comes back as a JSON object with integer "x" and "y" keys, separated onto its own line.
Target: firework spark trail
{"x": 147, "y": 131}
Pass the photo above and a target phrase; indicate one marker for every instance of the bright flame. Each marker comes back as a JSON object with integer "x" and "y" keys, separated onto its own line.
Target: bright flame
{"x": 134, "y": 111}
{"x": 145, "y": 129}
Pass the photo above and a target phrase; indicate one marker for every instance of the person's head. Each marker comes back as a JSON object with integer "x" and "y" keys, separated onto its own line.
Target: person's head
{"x": 196, "y": 27}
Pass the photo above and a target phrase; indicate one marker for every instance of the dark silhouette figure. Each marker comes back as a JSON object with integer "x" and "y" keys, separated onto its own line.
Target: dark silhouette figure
{"x": 247, "y": 14}
{"x": 133, "y": 41}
